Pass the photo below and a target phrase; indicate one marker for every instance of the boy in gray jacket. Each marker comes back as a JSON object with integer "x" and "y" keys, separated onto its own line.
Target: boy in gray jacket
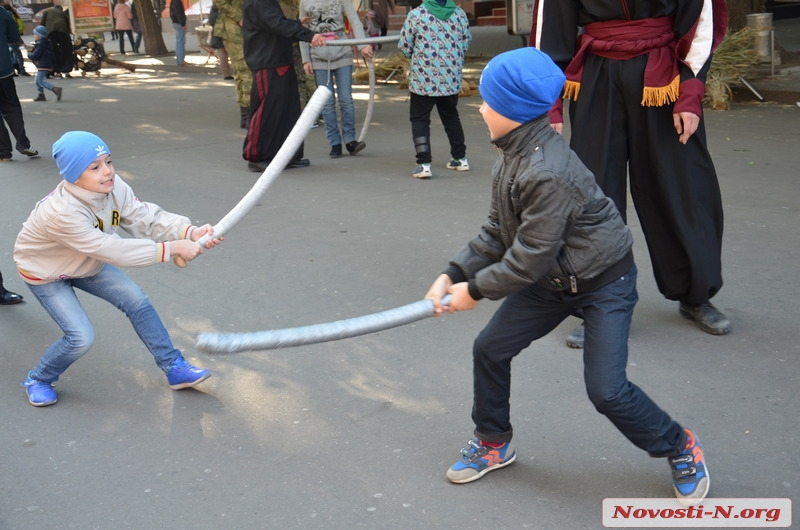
{"x": 70, "y": 241}
{"x": 554, "y": 245}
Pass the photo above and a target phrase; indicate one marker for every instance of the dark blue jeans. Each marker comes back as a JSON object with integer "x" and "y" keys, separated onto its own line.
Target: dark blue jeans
{"x": 534, "y": 312}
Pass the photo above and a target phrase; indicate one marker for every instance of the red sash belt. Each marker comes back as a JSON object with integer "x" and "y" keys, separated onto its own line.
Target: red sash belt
{"x": 625, "y": 39}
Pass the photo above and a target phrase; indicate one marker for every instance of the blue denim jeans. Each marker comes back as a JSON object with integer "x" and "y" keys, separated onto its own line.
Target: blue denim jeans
{"x": 180, "y": 43}
{"x": 112, "y": 285}
{"x": 531, "y": 314}
{"x": 343, "y": 78}
{"x": 42, "y": 82}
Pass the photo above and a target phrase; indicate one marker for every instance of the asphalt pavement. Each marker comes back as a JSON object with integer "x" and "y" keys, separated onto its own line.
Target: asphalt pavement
{"x": 358, "y": 433}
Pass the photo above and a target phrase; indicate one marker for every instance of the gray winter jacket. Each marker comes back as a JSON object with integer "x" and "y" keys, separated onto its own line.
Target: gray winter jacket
{"x": 549, "y": 222}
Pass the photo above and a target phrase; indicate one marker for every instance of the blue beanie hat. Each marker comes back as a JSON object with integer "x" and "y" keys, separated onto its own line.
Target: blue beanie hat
{"x": 40, "y": 31}
{"x": 75, "y": 151}
{"x": 521, "y": 84}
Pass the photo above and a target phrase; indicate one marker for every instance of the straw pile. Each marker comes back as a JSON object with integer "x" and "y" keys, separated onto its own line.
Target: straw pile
{"x": 733, "y": 59}
{"x": 395, "y": 65}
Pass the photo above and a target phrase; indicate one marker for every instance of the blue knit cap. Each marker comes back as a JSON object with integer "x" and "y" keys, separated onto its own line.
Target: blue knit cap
{"x": 521, "y": 84}
{"x": 75, "y": 151}
{"x": 40, "y": 31}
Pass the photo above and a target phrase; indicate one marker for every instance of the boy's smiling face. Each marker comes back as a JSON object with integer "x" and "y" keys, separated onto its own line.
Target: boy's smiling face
{"x": 99, "y": 176}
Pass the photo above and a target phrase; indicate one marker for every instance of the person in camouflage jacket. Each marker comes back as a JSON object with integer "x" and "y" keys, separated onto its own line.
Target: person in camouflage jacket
{"x": 228, "y": 27}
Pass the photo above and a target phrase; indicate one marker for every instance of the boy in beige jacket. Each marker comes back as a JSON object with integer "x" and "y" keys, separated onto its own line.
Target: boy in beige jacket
{"x": 70, "y": 241}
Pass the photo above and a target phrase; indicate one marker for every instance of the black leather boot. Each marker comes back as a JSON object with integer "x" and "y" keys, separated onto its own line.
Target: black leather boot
{"x": 7, "y": 297}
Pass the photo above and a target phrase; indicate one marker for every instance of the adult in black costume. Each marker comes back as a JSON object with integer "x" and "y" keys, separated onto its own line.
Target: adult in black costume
{"x": 274, "y": 99}
{"x": 636, "y": 78}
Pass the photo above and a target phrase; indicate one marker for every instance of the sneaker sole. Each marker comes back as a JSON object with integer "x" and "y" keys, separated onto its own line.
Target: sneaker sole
{"x": 574, "y": 344}
{"x": 189, "y": 384}
{"x": 696, "y": 497}
{"x": 482, "y": 473}
{"x": 458, "y": 168}
{"x": 43, "y": 403}
{"x": 358, "y": 149}
{"x": 422, "y": 176}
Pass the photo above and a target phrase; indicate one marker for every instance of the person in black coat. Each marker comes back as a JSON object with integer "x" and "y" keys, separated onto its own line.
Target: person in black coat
{"x": 274, "y": 99}
{"x": 10, "y": 108}
{"x": 56, "y": 20}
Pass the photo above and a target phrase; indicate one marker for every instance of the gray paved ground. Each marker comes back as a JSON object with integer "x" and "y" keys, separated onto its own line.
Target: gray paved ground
{"x": 358, "y": 433}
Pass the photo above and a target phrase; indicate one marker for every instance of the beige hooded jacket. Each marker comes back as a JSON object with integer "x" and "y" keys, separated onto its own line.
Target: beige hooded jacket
{"x": 72, "y": 232}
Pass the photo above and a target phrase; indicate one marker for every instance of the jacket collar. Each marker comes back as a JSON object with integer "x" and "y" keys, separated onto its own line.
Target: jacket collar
{"x": 91, "y": 198}
{"x": 517, "y": 140}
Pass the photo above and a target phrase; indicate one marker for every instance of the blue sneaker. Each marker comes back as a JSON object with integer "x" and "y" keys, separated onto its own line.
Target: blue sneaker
{"x": 477, "y": 460}
{"x": 40, "y": 394}
{"x": 184, "y": 375}
{"x": 689, "y": 472}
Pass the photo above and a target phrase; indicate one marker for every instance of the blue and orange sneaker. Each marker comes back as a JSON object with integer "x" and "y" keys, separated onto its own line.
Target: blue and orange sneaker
{"x": 690, "y": 478}
{"x": 478, "y": 459}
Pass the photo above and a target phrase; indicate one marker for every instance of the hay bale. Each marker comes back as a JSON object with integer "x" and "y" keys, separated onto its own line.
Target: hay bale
{"x": 396, "y": 66}
{"x": 469, "y": 87}
{"x": 733, "y": 59}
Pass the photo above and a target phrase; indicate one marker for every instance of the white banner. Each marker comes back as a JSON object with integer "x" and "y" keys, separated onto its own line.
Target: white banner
{"x": 710, "y": 513}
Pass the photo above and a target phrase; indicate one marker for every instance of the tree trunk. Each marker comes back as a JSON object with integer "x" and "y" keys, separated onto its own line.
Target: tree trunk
{"x": 151, "y": 29}
{"x": 739, "y": 9}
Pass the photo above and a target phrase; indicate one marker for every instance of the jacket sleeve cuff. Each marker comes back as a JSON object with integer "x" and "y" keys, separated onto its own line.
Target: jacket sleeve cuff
{"x": 691, "y": 97}
{"x": 473, "y": 290}
{"x": 164, "y": 252}
{"x": 186, "y": 231}
{"x": 458, "y": 276}
{"x": 455, "y": 274}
